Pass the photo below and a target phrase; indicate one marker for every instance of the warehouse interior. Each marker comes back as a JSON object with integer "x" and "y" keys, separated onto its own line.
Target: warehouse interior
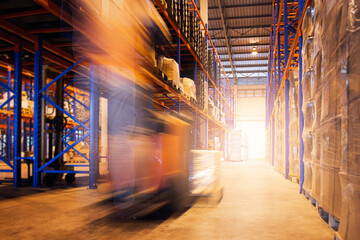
{"x": 179, "y": 119}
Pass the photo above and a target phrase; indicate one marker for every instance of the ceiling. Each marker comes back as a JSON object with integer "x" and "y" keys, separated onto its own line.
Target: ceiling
{"x": 248, "y": 25}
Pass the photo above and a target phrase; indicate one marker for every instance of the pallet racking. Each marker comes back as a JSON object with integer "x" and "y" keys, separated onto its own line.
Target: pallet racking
{"x": 285, "y": 56}
{"x": 33, "y": 49}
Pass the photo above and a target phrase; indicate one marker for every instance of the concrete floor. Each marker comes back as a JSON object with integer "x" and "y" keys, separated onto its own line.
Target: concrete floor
{"x": 258, "y": 204}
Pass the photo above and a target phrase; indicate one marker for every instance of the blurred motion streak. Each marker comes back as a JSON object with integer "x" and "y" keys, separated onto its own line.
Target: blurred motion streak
{"x": 148, "y": 151}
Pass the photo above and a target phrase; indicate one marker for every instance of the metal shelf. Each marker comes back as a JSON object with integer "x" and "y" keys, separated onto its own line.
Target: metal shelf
{"x": 285, "y": 55}
{"x": 30, "y": 50}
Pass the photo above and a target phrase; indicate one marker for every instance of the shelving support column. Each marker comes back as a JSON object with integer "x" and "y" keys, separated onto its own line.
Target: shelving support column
{"x": 37, "y": 112}
{"x": 94, "y": 129}
{"x": 286, "y": 51}
{"x": 301, "y": 7}
{"x": 17, "y": 114}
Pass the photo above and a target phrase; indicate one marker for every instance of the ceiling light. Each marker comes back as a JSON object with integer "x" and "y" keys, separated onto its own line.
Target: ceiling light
{"x": 254, "y": 51}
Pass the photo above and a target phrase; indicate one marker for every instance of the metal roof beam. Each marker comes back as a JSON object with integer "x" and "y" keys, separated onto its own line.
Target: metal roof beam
{"x": 246, "y": 45}
{"x": 247, "y": 52}
{"x": 249, "y": 65}
{"x": 254, "y": 71}
{"x": 247, "y": 59}
{"x": 242, "y": 17}
{"x": 30, "y": 47}
{"x": 50, "y": 30}
{"x": 227, "y": 41}
{"x": 240, "y": 28}
{"x": 243, "y": 5}
{"x": 250, "y": 36}
{"x": 23, "y": 14}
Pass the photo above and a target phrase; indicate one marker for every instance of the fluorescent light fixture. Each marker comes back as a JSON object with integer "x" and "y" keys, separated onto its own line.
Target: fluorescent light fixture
{"x": 254, "y": 52}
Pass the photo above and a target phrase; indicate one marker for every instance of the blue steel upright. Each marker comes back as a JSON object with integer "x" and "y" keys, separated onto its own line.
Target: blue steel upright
{"x": 301, "y": 7}
{"x": 8, "y": 120}
{"x": 17, "y": 114}
{"x": 196, "y": 114}
{"x": 94, "y": 128}
{"x": 37, "y": 112}
{"x": 287, "y": 117}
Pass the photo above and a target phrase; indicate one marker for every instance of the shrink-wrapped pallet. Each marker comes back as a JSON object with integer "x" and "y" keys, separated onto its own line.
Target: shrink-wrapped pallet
{"x": 280, "y": 136}
{"x": 268, "y": 143}
{"x": 171, "y": 69}
{"x": 350, "y": 211}
{"x": 308, "y": 36}
{"x": 308, "y": 161}
{"x": 204, "y": 174}
{"x": 206, "y": 96}
{"x": 294, "y": 127}
{"x": 316, "y": 157}
{"x": 211, "y": 106}
{"x": 189, "y": 87}
{"x": 238, "y": 146}
{"x": 349, "y": 49}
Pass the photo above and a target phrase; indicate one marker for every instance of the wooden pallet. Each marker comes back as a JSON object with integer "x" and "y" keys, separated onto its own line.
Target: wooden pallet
{"x": 186, "y": 96}
{"x": 212, "y": 198}
{"x": 26, "y": 111}
{"x": 174, "y": 86}
{"x": 332, "y": 221}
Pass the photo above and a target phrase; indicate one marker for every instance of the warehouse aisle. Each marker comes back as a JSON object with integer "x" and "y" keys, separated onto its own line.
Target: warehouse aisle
{"x": 258, "y": 204}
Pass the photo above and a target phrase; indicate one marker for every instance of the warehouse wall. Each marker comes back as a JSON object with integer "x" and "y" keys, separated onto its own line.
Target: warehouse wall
{"x": 251, "y": 118}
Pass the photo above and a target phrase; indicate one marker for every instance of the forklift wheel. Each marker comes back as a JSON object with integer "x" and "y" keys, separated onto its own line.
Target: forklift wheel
{"x": 49, "y": 180}
{"x": 70, "y": 178}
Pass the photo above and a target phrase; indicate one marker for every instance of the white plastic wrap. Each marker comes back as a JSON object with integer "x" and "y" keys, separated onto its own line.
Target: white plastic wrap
{"x": 171, "y": 68}
{"x": 211, "y": 108}
{"x": 204, "y": 172}
{"x": 189, "y": 87}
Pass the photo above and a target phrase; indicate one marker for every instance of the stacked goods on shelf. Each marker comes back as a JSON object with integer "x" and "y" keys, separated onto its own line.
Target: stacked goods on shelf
{"x": 326, "y": 74}
{"x": 312, "y": 106}
{"x": 268, "y": 143}
{"x": 211, "y": 108}
{"x": 171, "y": 69}
{"x": 217, "y": 73}
{"x": 238, "y": 146}
{"x": 204, "y": 54}
{"x": 27, "y": 106}
{"x": 217, "y": 113}
{"x": 279, "y": 116}
{"x": 210, "y": 64}
{"x": 4, "y": 97}
{"x": 185, "y": 18}
{"x": 348, "y": 55}
{"x": 206, "y": 96}
{"x": 281, "y": 134}
{"x": 308, "y": 103}
{"x": 235, "y": 143}
{"x": 189, "y": 88}
{"x": 222, "y": 118}
{"x": 323, "y": 118}
{"x": 204, "y": 172}
{"x": 200, "y": 89}
{"x": 327, "y": 20}
{"x": 245, "y": 147}
{"x": 294, "y": 127}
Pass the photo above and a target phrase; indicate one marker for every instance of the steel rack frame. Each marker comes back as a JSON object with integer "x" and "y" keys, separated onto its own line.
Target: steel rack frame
{"x": 90, "y": 131}
{"x": 44, "y": 53}
{"x": 285, "y": 55}
{"x": 225, "y": 96}
{"x": 13, "y": 157}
